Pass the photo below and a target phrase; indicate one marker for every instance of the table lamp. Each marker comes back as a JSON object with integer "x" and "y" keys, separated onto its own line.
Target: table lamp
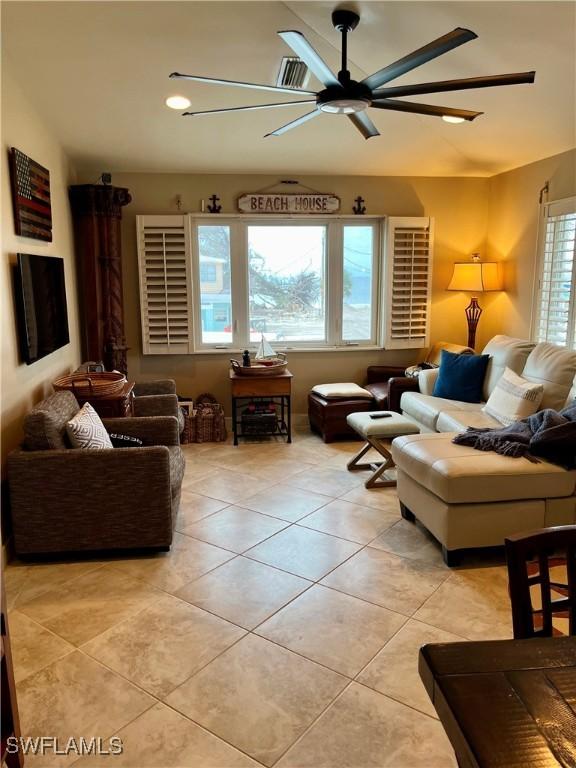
{"x": 475, "y": 276}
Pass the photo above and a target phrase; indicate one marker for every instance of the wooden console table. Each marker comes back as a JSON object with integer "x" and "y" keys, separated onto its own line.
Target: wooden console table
{"x": 276, "y": 389}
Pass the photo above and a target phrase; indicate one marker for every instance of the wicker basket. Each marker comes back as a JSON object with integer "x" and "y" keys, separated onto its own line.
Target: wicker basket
{"x": 205, "y": 424}
{"x": 86, "y": 385}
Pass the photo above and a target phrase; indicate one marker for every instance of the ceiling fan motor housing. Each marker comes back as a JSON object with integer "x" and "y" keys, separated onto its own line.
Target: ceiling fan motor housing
{"x": 345, "y": 99}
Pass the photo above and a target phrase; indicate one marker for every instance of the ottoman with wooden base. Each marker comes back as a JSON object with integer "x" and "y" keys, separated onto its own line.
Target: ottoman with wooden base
{"x": 375, "y": 431}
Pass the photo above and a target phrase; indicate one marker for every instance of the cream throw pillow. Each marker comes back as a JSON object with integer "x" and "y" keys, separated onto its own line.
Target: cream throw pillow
{"x": 513, "y": 398}
{"x": 348, "y": 390}
{"x": 86, "y": 430}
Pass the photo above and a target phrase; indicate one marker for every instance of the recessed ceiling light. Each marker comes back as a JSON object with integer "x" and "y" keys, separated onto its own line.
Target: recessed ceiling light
{"x": 451, "y": 119}
{"x": 178, "y": 102}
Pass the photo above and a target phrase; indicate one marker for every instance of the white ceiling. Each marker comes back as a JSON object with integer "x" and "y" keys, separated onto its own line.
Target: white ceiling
{"x": 98, "y": 73}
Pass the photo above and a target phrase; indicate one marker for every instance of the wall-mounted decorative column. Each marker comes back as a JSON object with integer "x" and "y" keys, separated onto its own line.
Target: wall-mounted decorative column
{"x": 97, "y": 212}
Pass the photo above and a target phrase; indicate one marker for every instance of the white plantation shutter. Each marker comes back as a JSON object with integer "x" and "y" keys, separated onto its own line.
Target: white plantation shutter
{"x": 408, "y": 281}
{"x": 556, "y": 286}
{"x": 165, "y": 284}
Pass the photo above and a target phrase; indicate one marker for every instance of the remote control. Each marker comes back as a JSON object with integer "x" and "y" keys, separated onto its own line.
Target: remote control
{"x": 380, "y": 415}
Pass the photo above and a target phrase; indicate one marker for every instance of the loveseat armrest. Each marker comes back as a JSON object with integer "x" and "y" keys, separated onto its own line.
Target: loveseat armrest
{"x": 156, "y": 405}
{"x": 152, "y": 430}
{"x": 396, "y": 388}
{"x": 83, "y": 499}
{"x": 427, "y": 379}
{"x": 377, "y": 373}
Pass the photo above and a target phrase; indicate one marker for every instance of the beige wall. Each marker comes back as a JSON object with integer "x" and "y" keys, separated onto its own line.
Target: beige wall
{"x": 23, "y": 385}
{"x": 460, "y": 209}
{"x": 513, "y": 232}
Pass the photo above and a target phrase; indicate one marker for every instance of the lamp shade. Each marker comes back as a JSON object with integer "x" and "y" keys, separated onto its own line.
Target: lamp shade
{"x": 476, "y": 276}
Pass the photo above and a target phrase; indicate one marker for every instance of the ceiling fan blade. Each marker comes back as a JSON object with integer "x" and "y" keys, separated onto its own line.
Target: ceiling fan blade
{"x": 246, "y": 109}
{"x": 294, "y": 123}
{"x": 490, "y": 81}
{"x": 424, "y": 109}
{"x": 364, "y": 124}
{"x": 239, "y": 84}
{"x": 310, "y": 57}
{"x": 415, "y": 59}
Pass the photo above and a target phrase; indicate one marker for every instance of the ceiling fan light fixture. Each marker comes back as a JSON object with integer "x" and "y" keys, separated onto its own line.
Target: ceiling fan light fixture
{"x": 452, "y": 119}
{"x": 178, "y": 102}
{"x": 345, "y": 106}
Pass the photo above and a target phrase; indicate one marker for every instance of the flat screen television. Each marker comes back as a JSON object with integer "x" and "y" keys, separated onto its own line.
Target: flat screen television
{"x": 41, "y": 305}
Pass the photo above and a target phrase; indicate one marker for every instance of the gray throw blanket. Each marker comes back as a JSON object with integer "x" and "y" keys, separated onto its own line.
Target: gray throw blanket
{"x": 547, "y": 434}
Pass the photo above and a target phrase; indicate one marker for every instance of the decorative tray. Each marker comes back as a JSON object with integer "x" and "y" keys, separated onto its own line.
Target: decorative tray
{"x": 270, "y": 367}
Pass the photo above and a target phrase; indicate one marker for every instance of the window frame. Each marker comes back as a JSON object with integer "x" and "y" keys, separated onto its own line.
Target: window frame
{"x": 562, "y": 207}
{"x": 333, "y": 273}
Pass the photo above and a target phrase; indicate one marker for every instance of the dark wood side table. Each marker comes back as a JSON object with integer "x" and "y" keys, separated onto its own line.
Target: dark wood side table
{"x": 112, "y": 406}
{"x": 505, "y": 703}
{"x": 276, "y": 389}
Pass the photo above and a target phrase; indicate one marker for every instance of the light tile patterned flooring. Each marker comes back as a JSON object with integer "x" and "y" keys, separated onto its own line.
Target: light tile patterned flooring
{"x": 282, "y": 629}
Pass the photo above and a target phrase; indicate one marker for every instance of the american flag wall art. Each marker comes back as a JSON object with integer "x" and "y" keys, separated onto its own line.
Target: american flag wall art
{"x": 31, "y": 197}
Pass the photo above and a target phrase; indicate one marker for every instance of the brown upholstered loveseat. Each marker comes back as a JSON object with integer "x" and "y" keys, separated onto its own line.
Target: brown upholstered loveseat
{"x": 79, "y": 500}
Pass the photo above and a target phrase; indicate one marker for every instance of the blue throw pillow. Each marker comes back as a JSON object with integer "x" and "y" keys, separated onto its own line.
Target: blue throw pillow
{"x": 461, "y": 377}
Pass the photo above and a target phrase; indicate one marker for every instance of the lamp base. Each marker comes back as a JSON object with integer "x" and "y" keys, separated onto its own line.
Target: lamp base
{"x": 473, "y": 312}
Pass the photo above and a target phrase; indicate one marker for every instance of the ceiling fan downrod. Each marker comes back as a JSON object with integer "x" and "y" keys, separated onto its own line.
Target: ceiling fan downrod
{"x": 345, "y": 21}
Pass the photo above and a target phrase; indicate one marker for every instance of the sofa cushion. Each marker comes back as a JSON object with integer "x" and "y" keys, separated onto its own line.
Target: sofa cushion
{"x": 513, "y": 398}
{"x": 505, "y": 352}
{"x": 555, "y": 368}
{"x": 347, "y": 390}
{"x": 45, "y": 425}
{"x": 426, "y": 408}
{"x": 86, "y": 430}
{"x": 461, "y": 377}
{"x": 459, "y": 474}
{"x": 459, "y": 421}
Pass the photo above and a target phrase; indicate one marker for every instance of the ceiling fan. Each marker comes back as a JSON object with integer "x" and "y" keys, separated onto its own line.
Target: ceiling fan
{"x": 342, "y": 95}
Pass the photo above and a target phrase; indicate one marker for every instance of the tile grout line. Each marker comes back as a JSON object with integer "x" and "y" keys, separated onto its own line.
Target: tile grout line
{"x": 253, "y": 631}
{"x": 97, "y": 567}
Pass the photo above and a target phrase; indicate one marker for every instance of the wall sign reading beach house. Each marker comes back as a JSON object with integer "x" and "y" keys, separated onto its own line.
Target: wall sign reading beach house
{"x": 291, "y": 203}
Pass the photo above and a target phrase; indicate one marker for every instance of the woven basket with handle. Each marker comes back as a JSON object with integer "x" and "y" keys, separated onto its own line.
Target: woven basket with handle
{"x": 86, "y": 385}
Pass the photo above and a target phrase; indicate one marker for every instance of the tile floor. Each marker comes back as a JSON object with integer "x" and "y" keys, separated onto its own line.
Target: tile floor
{"x": 282, "y": 629}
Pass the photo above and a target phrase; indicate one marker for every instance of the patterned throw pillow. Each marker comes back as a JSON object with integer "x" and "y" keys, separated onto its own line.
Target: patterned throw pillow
{"x": 86, "y": 430}
{"x": 513, "y": 398}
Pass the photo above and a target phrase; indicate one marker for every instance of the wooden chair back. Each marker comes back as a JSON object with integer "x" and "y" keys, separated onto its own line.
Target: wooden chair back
{"x": 530, "y": 559}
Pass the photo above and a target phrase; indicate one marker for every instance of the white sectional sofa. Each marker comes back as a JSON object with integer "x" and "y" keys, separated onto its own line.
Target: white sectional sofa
{"x": 468, "y": 498}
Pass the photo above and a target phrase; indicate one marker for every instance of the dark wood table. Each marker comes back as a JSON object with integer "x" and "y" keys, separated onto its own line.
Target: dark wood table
{"x": 112, "y": 406}
{"x": 505, "y": 703}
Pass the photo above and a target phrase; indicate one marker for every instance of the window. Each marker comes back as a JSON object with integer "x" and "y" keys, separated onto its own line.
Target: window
{"x": 209, "y": 283}
{"x": 286, "y": 271}
{"x": 300, "y": 282}
{"x": 555, "y": 319}
{"x": 358, "y": 283}
{"x": 214, "y": 284}
{"x": 208, "y": 272}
